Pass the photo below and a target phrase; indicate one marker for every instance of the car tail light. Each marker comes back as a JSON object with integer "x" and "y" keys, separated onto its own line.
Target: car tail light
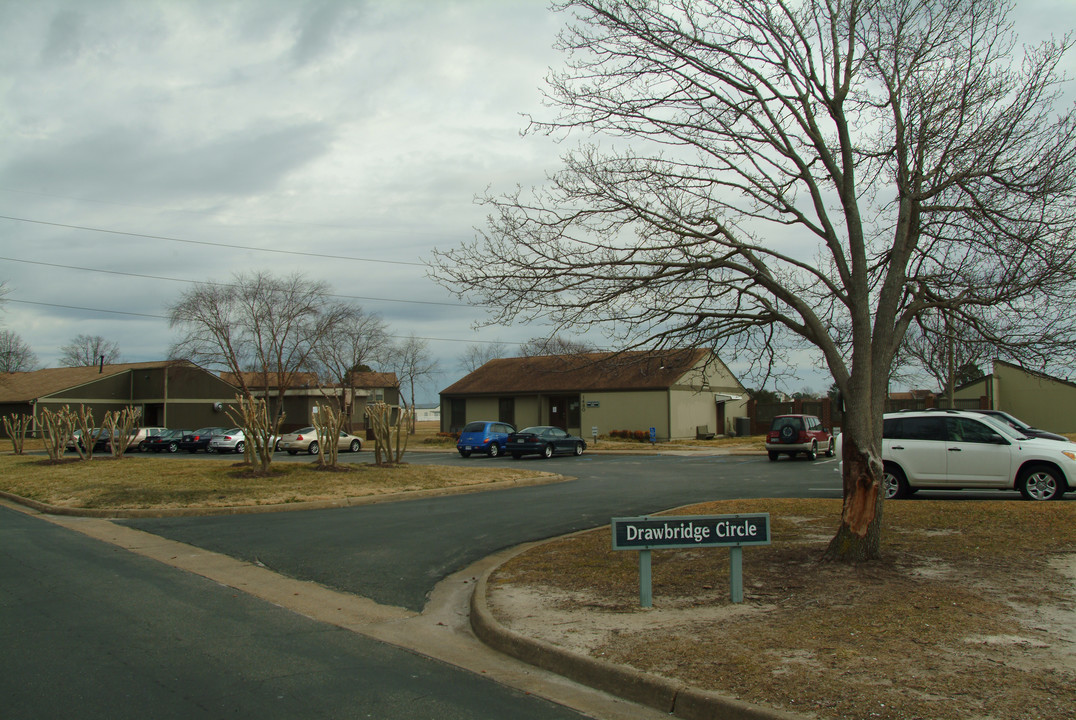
{"x": 298, "y": 438}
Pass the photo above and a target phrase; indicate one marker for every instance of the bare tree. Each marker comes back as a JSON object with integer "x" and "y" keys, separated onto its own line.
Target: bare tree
{"x": 944, "y": 350}
{"x": 259, "y": 323}
{"x": 411, "y": 361}
{"x": 799, "y": 175}
{"x": 356, "y": 340}
{"x": 85, "y": 350}
{"x": 15, "y": 354}
{"x": 478, "y": 354}
{"x": 554, "y": 345}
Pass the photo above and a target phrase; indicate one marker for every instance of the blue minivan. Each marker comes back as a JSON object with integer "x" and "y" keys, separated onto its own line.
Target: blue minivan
{"x": 484, "y": 436}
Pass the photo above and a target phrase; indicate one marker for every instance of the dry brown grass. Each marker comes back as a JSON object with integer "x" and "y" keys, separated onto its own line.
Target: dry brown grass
{"x": 972, "y": 613}
{"x": 147, "y": 481}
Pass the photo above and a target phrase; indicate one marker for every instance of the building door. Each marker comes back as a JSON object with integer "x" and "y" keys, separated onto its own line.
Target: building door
{"x": 564, "y": 411}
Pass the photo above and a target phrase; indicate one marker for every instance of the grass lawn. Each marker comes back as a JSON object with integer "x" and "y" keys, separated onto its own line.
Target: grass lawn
{"x": 148, "y": 481}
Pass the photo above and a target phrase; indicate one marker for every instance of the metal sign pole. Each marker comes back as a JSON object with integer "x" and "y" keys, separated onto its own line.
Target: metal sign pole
{"x": 736, "y": 574}
{"x": 646, "y": 591}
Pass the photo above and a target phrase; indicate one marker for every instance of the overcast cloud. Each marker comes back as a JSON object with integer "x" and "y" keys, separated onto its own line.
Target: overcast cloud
{"x": 342, "y": 128}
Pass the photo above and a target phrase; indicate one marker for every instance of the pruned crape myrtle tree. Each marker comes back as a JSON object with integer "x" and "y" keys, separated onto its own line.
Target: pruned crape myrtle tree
{"x": 767, "y": 176}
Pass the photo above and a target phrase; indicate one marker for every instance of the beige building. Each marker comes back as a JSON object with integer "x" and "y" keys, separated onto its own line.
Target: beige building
{"x": 1039, "y": 400}
{"x": 680, "y": 393}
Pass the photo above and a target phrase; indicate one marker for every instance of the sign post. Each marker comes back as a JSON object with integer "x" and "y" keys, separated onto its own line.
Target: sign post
{"x": 646, "y": 533}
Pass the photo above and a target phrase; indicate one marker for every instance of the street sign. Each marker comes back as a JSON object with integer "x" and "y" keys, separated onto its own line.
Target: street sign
{"x": 689, "y": 531}
{"x": 667, "y": 532}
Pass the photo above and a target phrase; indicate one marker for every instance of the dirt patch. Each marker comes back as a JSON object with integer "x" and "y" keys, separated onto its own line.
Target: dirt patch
{"x": 972, "y": 613}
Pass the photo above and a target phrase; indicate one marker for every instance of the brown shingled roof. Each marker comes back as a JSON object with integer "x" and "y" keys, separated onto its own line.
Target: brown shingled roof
{"x": 639, "y": 370}
{"x": 27, "y": 386}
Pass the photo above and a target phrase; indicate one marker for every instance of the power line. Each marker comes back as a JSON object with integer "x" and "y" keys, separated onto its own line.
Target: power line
{"x": 163, "y": 317}
{"x": 211, "y": 244}
{"x": 220, "y": 284}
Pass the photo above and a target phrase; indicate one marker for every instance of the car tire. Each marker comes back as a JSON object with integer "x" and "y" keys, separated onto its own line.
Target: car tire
{"x": 547, "y": 452}
{"x": 830, "y": 452}
{"x": 293, "y": 452}
{"x": 355, "y": 446}
{"x": 142, "y": 446}
{"x": 578, "y": 449}
{"x": 276, "y": 448}
{"x": 1041, "y": 482}
{"x": 239, "y": 447}
{"x": 812, "y": 454}
{"x": 894, "y": 483}
{"x": 788, "y": 433}
{"x": 465, "y": 453}
{"x": 313, "y": 448}
{"x": 494, "y": 449}
{"x": 173, "y": 447}
{"x": 516, "y": 456}
{"x": 773, "y": 456}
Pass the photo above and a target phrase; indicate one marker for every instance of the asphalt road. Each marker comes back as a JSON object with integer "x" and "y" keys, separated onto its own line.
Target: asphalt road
{"x": 95, "y": 632}
{"x": 395, "y": 553}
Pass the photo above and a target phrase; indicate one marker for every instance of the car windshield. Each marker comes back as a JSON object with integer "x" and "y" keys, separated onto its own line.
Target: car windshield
{"x": 475, "y": 427}
{"x": 1003, "y": 428}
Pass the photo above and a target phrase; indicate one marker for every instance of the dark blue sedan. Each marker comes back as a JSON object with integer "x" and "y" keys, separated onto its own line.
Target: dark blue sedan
{"x": 544, "y": 440}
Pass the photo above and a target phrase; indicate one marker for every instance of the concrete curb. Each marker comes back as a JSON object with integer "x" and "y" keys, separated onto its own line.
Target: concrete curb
{"x": 668, "y": 696}
{"x": 546, "y": 479}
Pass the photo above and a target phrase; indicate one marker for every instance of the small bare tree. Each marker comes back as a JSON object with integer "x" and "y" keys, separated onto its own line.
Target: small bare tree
{"x": 412, "y": 364}
{"x": 260, "y": 429}
{"x": 16, "y": 425}
{"x": 59, "y": 428}
{"x": 89, "y": 435}
{"x": 390, "y": 438}
{"x": 476, "y": 355}
{"x": 85, "y": 350}
{"x": 119, "y": 425}
{"x": 355, "y": 341}
{"x": 328, "y": 422}
{"x": 15, "y": 354}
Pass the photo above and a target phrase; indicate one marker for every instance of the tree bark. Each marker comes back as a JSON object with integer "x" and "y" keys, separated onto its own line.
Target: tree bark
{"x": 858, "y": 539}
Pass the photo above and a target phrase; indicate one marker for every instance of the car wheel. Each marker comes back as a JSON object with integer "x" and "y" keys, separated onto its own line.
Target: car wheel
{"x": 355, "y": 446}
{"x": 313, "y": 449}
{"x": 494, "y": 449}
{"x": 812, "y": 454}
{"x": 516, "y": 456}
{"x": 774, "y": 456}
{"x": 239, "y": 447}
{"x": 830, "y": 452}
{"x": 292, "y": 452}
{"x": 173, "y": 447}
{"x": 788, "y": 433}
{"x": 276, "y": 448}
{"x": 465, "y": 453}
{"x": 578, "y": 449}
{"x": 547, "y": 452}
{"x": 1041, "y": 482}
{"x": 142, "y": 446}
{"x": 894, "y": 483}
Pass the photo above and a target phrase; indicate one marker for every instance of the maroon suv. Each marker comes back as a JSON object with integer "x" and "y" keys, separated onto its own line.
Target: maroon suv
{"x": 792, "y": 434}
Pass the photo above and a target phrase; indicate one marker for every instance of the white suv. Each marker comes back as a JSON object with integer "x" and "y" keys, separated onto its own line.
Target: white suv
{"x": 952, "y": 450}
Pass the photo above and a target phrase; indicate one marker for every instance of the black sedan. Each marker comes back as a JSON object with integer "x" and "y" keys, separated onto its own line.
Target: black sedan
{"x": 543, "y": 440}
{"x": 167, "y": 441}
{"x": 199, "y": 439}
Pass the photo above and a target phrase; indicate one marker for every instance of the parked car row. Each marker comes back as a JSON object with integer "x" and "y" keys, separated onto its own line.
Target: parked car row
{"x": 495, "y": 438}
{"x": 212, "y": 439}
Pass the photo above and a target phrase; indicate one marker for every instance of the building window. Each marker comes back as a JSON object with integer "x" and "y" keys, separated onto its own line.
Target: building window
{"x": 506, "y": 410}
{"x": 457, "y": 414}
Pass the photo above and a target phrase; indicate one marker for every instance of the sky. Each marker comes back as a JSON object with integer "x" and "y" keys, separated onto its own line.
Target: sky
{"x": 148, "y": 145}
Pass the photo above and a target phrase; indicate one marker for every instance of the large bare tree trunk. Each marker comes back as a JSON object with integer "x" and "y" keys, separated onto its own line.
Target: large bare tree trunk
{"x": 859, "y": 536}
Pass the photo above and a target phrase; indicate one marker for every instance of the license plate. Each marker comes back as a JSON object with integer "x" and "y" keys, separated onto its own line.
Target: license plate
{"x": 466, "y": 447}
